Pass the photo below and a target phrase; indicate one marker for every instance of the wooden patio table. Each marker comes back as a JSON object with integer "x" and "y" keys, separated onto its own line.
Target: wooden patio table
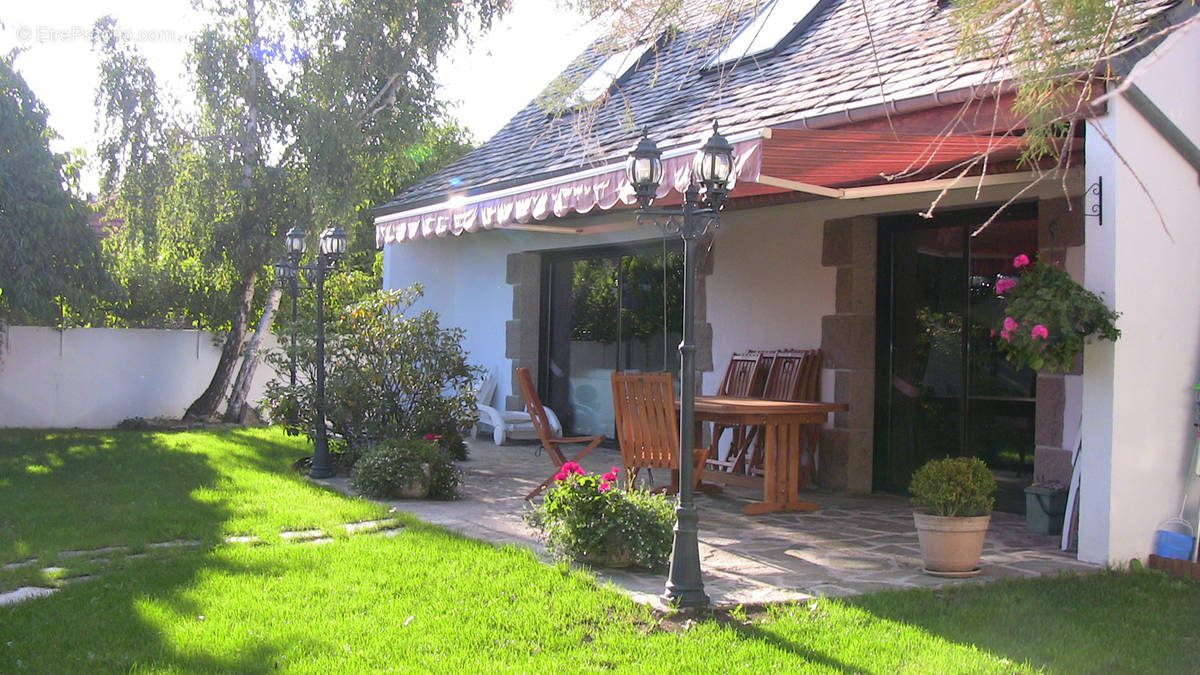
{"x": 783, "y": 422}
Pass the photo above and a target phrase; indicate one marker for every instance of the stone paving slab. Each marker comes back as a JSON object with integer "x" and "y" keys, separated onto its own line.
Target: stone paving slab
{"x": 853, "y": 544}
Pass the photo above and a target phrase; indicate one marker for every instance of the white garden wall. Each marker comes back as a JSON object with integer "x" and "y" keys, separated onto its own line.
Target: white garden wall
{"x": 95, "y": 377}
{"x": 1137, "y": 403}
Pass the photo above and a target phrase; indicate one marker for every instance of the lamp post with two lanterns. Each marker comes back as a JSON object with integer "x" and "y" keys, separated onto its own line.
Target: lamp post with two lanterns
{"x": 332, "y": 246}
{"x": 712, "y": 180}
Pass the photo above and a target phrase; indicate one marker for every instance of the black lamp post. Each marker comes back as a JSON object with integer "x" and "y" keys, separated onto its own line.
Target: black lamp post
{"x": 712, "y": 172}
{"x": 333, "y": 245}
{"x": 288, "y": 275}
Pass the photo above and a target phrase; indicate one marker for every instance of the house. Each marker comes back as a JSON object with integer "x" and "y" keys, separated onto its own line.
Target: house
{"x": 530, "y": 243}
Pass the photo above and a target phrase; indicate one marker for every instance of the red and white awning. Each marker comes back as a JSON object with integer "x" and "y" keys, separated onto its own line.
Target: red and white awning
{"x": 770, "y": 160}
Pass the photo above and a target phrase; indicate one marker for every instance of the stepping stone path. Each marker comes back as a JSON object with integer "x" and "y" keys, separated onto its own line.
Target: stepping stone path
{"x": 386, "y": 527}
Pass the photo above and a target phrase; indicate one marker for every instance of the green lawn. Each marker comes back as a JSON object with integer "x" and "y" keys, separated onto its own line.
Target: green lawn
{"x": 424, "y": 600}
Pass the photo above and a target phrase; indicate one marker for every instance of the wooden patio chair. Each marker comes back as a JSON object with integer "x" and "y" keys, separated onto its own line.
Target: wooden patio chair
{"x": 795, "y": 376}
{"x": 550, "y": 441}
{"x": 648, "y": 426}
{"x": 744, "y": 376}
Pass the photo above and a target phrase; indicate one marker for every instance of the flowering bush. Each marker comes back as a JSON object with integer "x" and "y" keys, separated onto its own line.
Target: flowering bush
{"x": 1048, "y": 316}
{"x": 587, "y": 518}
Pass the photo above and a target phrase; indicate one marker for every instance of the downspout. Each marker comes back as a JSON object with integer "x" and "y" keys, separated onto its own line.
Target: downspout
{"x": 1162, "y": 124}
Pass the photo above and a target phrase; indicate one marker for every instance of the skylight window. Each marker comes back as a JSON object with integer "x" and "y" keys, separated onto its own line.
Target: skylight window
{"x": 614, "y": 68}
{"x": 775, "y": 26}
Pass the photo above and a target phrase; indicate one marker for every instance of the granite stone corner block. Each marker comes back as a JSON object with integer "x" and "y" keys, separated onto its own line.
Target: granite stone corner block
{"x": 848, "y": 340}
{"x": 855, "y": 388}
{"x": 520, "y": 343}
{"x": 1051, "y": 403}
{"x": 523, "y": 268}
{"x": 527, "y": 299}
{"x": 832, "y": 458}
{"x": 1052, "y": 463}
{"x": 844, "y": 297}
{"x": 864, "y": 240}
{"x": 862, "y": 291}
{"x": 837, "y": 243}
{"x": 845, "y": 459}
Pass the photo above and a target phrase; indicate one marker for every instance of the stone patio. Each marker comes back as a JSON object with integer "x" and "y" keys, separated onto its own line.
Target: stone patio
{"x": 852, "y": 545}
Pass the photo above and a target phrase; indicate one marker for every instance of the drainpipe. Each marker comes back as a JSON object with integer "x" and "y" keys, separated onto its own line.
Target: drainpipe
{"x": 1162, "y": 124}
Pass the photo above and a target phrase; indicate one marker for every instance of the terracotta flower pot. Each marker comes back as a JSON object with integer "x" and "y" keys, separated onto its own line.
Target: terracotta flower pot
{"x": 417, "y": 488}
{"x": 951, "y": 545}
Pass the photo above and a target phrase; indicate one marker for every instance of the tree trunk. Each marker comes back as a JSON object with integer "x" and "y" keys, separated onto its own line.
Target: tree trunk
{"x": 206, "y": 406}
{"x": 236, "y": 411}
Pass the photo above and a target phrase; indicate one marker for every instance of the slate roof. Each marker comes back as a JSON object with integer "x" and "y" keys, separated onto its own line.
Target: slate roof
{"x": 832, "y": 67}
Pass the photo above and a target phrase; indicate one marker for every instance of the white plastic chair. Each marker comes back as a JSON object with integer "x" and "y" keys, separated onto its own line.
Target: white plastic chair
{"x": 506, "y": 423}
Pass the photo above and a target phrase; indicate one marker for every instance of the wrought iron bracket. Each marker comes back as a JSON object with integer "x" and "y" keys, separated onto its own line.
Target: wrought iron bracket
{"x": 689, "y": 226}
{"x": 1094, "y": 201}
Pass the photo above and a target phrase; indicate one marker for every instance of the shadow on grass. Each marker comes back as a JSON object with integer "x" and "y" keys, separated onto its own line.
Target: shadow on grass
{"x": 1137, "y": 621}
{"x": 65, "y": 492}
{"x": 74, "y": 490}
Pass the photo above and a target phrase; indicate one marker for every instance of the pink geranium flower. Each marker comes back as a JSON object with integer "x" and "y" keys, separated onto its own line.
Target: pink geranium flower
{"x": 610, "y": 476}
{"x": 1004, "y": 285}
{"x": 572, "y": 467}
{"x": 1010, "y": 324}
{"x": 605, "y": 486}
{"x": 1020, "y": 261}
{"x": 561, "y": 475}
{"x": 1039, "y": 331}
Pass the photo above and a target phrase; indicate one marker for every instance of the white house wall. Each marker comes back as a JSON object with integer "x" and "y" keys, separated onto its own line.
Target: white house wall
{"x": 768, "y": 289}
{"x": 465, "y": 280}
{"x": 1138, "y": 403}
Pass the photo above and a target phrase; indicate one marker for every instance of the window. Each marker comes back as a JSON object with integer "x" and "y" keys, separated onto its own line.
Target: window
{"x": 614, "y": 67}
{"x": 775, "y": 26}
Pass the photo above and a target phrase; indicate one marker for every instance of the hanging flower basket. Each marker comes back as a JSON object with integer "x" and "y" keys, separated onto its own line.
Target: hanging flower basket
{"x": 1048, "y": 317}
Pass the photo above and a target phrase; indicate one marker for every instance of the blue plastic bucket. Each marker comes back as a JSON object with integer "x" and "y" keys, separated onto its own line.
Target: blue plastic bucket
{"x": 1169, "y": 544}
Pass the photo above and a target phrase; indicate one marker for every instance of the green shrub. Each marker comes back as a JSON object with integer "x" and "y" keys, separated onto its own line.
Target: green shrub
{"x": 388, "y": 373}
{"x": 587, "y": 518}
{"x": 954, "y": 486}
{"x": 391, "y": 466}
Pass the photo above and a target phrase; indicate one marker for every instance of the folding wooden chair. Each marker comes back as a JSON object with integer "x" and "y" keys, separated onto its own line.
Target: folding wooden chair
{"x": 744, "y": 376}
{"x": 648, "y": 426}
{"x": 795, "y": 376}
{"x": 550, "y": 442}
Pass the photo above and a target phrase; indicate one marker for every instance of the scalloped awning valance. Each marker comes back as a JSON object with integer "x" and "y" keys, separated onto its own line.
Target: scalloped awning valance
{"x": 820, "y": 162}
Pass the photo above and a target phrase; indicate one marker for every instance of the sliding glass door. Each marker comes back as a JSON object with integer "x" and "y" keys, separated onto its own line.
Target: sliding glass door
{"x": 943, "y": 388}
{"x": 607, "y": 309}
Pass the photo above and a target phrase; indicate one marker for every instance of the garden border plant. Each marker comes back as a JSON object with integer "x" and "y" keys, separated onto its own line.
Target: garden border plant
{"x": 586, "y": 517}
{"x": 411, "y": 468}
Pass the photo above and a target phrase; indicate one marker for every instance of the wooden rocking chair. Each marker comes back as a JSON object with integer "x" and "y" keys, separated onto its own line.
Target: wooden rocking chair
{"x": 550, "y": 442}
{"x": 648, "y": 426}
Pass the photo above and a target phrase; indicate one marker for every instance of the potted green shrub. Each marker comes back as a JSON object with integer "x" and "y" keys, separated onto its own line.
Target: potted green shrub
{"x": 406, "y": 468}
{"x": 953, "y": 506}
{"x": 588, "y": 518}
